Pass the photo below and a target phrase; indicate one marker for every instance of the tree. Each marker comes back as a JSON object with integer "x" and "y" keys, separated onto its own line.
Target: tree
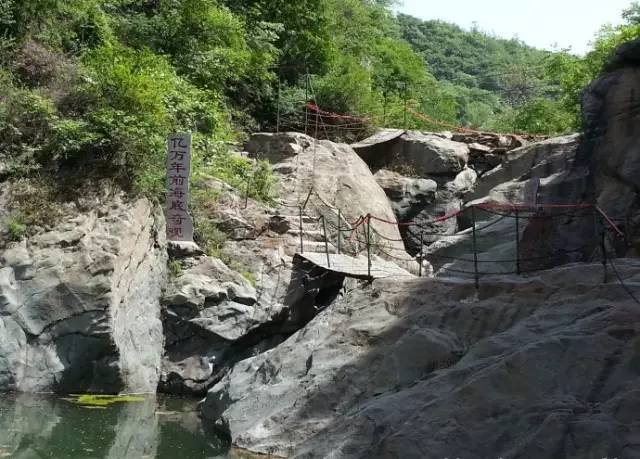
{"x": 632, "y": 14}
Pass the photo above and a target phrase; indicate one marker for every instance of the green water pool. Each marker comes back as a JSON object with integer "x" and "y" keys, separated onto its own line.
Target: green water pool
{"x": 35, "y": 426}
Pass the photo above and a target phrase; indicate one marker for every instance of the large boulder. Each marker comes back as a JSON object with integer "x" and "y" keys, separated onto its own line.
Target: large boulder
{"x": 541, "y": 173}
{"x": 206, "y": 308}
{"x": 421, "y": 204}
{"x": 214, "y": 317}
{"x": 538, "y": 367}
{"x": 550, "y": 160}
{"x": 80, "y": 304}
{"x": 414, "y": 153}
{"x": 611, "y": 149}
{"x": 405, "y": 192}
{"x": 329, "y": 177}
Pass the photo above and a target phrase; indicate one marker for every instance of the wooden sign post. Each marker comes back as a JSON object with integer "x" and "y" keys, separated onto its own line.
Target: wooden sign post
{"x": 179, "y": 222}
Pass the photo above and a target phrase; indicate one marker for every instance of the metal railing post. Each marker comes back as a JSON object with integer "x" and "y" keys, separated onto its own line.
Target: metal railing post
{"x": 339, "y": 231}
{"x": 278, "y": 103}
{"x": 301, "y": 235}
{"x": 306, "y": 103}
{"x": 368, "y": 239}
{"x": 475, "y": 248}
{"x": 603, "y": 242}
{"x": 246, "y": 193}
{"x": 326, "y": 243}
{"x": 518, "y": 270}
{"x": 421, "y": 253}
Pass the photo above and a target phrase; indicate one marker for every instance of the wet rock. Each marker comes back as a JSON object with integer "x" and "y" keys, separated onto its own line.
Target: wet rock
{"x": 79, "y": 305}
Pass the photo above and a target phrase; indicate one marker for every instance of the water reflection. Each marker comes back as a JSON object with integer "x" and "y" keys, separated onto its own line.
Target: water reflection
{"x": 34, "y": 426}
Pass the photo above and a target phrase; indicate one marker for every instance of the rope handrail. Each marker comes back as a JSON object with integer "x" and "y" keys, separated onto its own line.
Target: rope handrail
{"x": 609, "y": 221}
{"x": 332, "y": 218}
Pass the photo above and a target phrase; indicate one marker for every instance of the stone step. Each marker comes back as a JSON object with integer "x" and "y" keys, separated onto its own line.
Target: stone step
{"x": 296, "y": 219}
{"x": 311, "y": 234}
{"x": 318, "y": 247}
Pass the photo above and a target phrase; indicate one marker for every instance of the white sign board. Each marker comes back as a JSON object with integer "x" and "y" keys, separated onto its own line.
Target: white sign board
{"x": 179, "y": 223}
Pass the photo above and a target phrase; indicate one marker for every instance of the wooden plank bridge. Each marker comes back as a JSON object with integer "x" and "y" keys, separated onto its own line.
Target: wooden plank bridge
{"x": 355, "y": 267}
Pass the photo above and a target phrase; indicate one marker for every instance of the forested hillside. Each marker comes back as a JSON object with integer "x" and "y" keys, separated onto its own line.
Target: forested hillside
{"x": 490, "y": 77}
{"x": 506, "y": 85}
{"x": 100, "y": 83}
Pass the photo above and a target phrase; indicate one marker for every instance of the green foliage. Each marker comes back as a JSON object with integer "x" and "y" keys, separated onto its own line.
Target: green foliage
{"x": 470, "y": 58}
{"x": 16, "y": 228}
{"x": 632, "y": 14}
{"x": 175, "y": 268}
{"x": 91, "y": 88}
{"x": 487, "y": 79}
{"x": 542, "y": 116}
{"x": 250, "y": 277}
{"x": 26, "y": 119}
{"x": 209, "y": 237}
{"x": 574, "y": 74}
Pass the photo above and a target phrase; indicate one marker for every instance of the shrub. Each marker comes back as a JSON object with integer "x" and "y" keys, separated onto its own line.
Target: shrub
{"x": 250, "y": 277}
{"x": 209, "y": 237}
{"x": 36, "y": 64}
{"x": 26, "y": 118}
{"x": 175, "y": 268}
{"x": 16, "y": 228}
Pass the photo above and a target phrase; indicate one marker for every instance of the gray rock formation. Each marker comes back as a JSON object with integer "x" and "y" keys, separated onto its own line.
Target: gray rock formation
{"x": 547, "y": 162}
{"x": 610, "y": 150}
{"x": 79, "y": 305}
{"x": 213, "y": 317}
{"x": 207, "y": 309}
{"x": 432, "y": 159}
{"x": 540, "y": 367}
{"x": 414, "y": 152}
{"x": 405, "y": 192}
{"x": 339, "y": 178}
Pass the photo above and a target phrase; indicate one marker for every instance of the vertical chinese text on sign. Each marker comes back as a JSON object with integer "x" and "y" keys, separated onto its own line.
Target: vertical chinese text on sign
{"x": 179, "y": 223}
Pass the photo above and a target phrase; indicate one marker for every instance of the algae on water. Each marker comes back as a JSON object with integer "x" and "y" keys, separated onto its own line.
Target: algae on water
{"x": 101, "y": 401}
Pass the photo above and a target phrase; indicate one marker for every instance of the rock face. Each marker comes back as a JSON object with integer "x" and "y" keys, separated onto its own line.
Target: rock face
{"x": 79, "y": 305}
{"x": 418, "y": 153}
{"x": 206, "y": 308}
{"x": 339, "y": 179}
{"x": 611, "y": 149}
{"x": 405, "y": 192}
{"x": 538, "y": 367}
{"x": 529, "y": 173}
{"x": 214, "y": 317}
{"x": 425, "y": 176}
